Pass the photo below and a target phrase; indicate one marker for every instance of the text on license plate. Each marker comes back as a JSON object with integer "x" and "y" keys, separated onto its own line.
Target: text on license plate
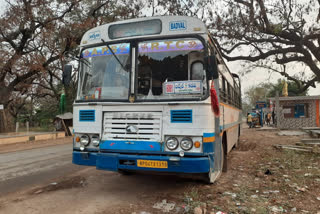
{"x": 152, "y": 164}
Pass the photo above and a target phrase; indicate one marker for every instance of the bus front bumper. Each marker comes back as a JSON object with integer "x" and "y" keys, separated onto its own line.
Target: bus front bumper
{"x": 117, "y": 161}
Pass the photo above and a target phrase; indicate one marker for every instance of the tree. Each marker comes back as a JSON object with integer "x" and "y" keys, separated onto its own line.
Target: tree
{"x": 293, "y": 89}
{"x": 273, "y": 32}
{"x": 26, "y": 48}
{"x": 265, "y": 34}
{"x": 44, "y": 36}
{"x": 257, "y": 93}
{"x": 267, "y": 90}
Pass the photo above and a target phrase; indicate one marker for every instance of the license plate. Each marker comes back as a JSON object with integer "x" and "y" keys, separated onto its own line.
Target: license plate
{"x": 152, "y": 164}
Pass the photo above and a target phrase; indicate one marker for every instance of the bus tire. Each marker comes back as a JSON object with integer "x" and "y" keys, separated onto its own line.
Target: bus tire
{"x": 206, "y": 178}
{"x": 224, "y": 161}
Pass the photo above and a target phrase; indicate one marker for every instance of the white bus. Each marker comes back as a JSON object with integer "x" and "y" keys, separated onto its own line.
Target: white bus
{"x": 145, "y": 100}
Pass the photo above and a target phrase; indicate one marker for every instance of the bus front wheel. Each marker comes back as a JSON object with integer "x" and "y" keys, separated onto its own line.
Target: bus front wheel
{"x": 224, "y": 163}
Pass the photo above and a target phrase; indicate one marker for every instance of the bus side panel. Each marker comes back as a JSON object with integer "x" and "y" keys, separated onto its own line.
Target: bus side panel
{"x": 230, "y": 124}
{"x": 232, "y": 137}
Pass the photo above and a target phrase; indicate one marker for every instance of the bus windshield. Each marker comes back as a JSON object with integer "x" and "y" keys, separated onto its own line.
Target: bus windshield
{"x": 102, "y": 76}
{"x": 165, "y": 69}
{"x": 171, "y": 69}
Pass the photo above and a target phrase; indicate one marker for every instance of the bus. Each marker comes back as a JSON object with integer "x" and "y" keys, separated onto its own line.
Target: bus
{"x": 154, "y": 95}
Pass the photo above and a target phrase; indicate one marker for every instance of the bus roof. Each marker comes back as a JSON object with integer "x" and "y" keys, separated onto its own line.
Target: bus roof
{"x": 144, "y": 27}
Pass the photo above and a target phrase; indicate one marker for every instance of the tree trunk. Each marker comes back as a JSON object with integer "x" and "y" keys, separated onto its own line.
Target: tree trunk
{"x": 6, "y": 121}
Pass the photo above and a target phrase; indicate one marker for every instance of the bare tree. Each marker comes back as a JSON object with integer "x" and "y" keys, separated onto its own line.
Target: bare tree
{"x": 270, "y": 32}
{"x": 22, "y": 31}
{"x": 38, "y": 36}
{"x": 262, "y": 33}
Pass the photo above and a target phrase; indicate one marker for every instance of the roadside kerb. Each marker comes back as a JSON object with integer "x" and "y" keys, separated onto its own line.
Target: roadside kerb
{"x": 31, "y": 138}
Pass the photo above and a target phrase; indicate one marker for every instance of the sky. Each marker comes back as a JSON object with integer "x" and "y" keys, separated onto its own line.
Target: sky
{"x": 249, "y": 80}
{"x": 259, "y": 76}
{"x": 2, "y": 6}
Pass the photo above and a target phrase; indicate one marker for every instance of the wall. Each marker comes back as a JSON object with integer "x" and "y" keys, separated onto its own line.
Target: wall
{"x": 296, "y": 123}
{"x": 31, "y": 138}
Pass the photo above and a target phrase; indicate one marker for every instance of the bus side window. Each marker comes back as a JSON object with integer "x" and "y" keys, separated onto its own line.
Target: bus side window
{"x": 233, "y": 96}
{"x": 224, "y": 89}
{"x": 220, "y": 86}
{"x": 228, "y": 92}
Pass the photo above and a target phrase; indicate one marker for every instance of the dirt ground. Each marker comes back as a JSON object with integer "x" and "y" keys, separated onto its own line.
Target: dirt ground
{"x": 260, "y": 179}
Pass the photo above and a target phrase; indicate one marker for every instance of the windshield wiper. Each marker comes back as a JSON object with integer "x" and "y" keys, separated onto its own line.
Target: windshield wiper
{"x": 85, "y": 61}
{"x": 123, "y": 67}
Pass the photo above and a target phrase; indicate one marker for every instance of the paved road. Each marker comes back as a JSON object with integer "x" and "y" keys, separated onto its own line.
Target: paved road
{"x": 36, "y": 166}
{"x": 108, "y": 192}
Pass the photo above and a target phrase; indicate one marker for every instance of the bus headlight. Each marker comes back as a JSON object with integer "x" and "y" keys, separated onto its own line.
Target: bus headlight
{"x": 172, "y": 143}
{"x": 186, "y": 144}
{"x": 84, "y": 140}
{"x": 95, "y": 140}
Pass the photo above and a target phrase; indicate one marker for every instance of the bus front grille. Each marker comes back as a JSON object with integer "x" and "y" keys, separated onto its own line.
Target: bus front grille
{"x": 144, "y": 126}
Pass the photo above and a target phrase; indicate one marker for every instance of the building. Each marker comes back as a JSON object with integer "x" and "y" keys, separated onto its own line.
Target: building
{"x": 298, "y": 112}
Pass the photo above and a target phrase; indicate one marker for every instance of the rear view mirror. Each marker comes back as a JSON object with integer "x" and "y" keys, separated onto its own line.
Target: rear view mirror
{"x": 212, "y": 67}
{"x": 66, "y": 77}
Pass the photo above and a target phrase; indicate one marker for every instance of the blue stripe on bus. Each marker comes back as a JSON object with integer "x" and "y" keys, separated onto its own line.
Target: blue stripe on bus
{"x": 115, "y": 161}
{"x": 152, "y": 152}
{"x": 84, "y": 158}
{"x": 209, "y": 146}
{"x": 130, "y": 145}
{"x": 211, "y": 161}
{"x": 209, "y": 134}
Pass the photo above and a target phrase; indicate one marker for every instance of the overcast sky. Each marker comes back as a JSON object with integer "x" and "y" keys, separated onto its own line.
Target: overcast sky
{"x": 259, "y": 76}
{"x": 2, "y": 6}
{"x": 249, "y": 80}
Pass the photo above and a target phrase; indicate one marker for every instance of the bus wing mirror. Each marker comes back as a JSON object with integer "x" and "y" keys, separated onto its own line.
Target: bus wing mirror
{"x": 66, "y": 76}
{"x": 212, "y": 67}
